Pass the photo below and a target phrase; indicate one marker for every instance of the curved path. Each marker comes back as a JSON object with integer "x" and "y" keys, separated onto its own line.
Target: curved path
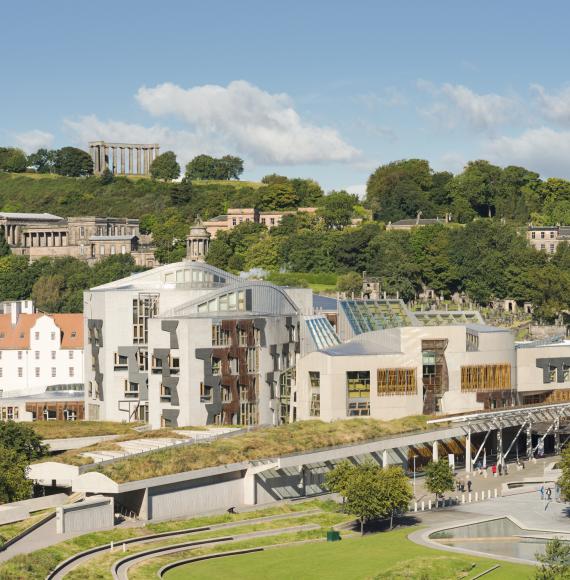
{"x": 121, "y": 567}
{"x": 82, "y": 557}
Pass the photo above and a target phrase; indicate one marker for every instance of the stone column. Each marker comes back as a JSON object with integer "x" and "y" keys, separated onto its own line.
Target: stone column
{"x": 435, "y": 452}
{"x": 138, "y": 160}
{"x": 468, "y": 461}
{"x": 130, "y": 160}
{"x": 146, "y": 161}
{"x": 115, "y": 161}
{"x": 105, "y": 157}
{"x": 123, "y": 161}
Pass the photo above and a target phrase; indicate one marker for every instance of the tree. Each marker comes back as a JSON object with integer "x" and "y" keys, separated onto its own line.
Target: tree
{"x": 555, "y": 562}
{"x": 337, "y": 208}
{"x": 373, "y": 492}
{"x": 13, "y": 160}
{"x": 350, "y": 283}
{"x": 13, "y": 483}
{"x": 278, "y": 196}
{"x": 181, "y": 193}
{"x": 564, "y": 481}
{"x": 230, "y": 167}
{"x": 43, "y": 160}
{"x": 106, "y": 177}
{"x": 47, "y": 292}
{"x": 165, "y": 167}
{"x": 201, "y": 167}
{"x": 22, "y": 439}
{"x": 439, "y": 477}
{"x": 73, "y": 162}
{"x": 337, "y": 480}
{"x": 4, "y": 247}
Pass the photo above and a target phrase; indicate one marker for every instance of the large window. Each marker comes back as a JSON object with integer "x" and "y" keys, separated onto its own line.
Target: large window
{"x": 358, "y": 384}
{"x": 216, "y": 366}
{"x": 248, "y": 413}
{"x": 252, "y": 360}
{"x": 225, "y": 303}
{"x": 359, "y": 409}
{"x": 315, "y": 379}
{"x": 144, "y": 307}
{"x": 486, "y": 377}
{"x": 131, "y": 389}
{"x": 397, "y": 382}
{"x": 205, "y": 393}
{"x": 220, "y": 337}
{"x": 315, "y": 405}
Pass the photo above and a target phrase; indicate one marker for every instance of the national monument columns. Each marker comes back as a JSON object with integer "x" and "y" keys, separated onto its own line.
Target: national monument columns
{"x": 113, "y": 156}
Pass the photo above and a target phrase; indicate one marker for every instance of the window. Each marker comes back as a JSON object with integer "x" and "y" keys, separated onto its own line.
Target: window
{"x": 486, "y": 377}
{"x": 70, "y": 355}
{"x": 120, "y": 360}
{"x": 20, "y": 372}
{"x": 360, "y": 409}
{"x": 50, "y": 415}
{"x": 53, "y": 355}
{"x": 112, "y": 250}
{"x": 533, "y": 235}
{"x": 542, "y": 246}
{"x": 220, "y": 337}
{"x": 552, "y": 374}
{"x": 73, "y": 334}
{"x": 248, "y": 413}
{"x": 358, "y": 384}
{"x": 81, "y": 232}
{"x": 234, "y": 366}
{"x": 53, "y": 371}
{"x": 226, "y": 394}
{"x": 174, "y": 364}
{"x": 551, "y": 235}
{"x": 37, "y": 335}
{"x": 144, "y": 307}
{"x": 242, "y": 337}
{"x": 131, "y": 389}
{"x": 69, "y": 415}
{"x": 37, "y": 372}
{"x": 397, "y": 381}
{"x": 257, "y": 336}
{"x": 252, "y": 360}
{"x": 165, "y": 392}
{"x": 315, "y": 379}
{"x": 71, "y": 372}
{"x": 566, "y": 373}
{"x": 542, "y": 235}
{"x": 37, "y": 354}
{"x": 315, "y": 410}
{"x": 552, "y": 248}
{"x": 216, "y": 366}
{"x": 205, "y": 393}
{"x": 272, "y": 221}
{"x": 19, "y": 355}
{"x": 234, "y": 222}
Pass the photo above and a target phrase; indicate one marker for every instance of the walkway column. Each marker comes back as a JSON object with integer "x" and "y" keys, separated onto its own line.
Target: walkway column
{"x": 529, "y": 440}
{"x": 468, "y": 462}
{"x": 557, "y": 435}
{"x": 500, "y": 443}
{"x": 123, "y": 161}
{"x": 435, "y": 452}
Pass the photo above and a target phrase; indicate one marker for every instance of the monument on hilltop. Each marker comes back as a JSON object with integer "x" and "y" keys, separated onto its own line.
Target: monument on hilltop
{"x": 122, "y": 158}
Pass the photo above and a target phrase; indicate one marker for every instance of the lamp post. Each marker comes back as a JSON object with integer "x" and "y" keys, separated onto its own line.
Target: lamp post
{"x": 415, "y": 475}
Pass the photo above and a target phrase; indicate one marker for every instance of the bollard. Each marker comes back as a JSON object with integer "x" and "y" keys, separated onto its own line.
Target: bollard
{"x": 429, "y": 504}
{"x": 415, "y": 506}
{"x": 124, "y": 547}
{"x": 111, "y": 545}
{"x": 423, "y": 506}
{"x": 469, "y": 498}
{"x": 495, "y": 493}
{"x": 489, "y": 494}
{"x": 462, "y": 498}
{"x": 476, "y": 496}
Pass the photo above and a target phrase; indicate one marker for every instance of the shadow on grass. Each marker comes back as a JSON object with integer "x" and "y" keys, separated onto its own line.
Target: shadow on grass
{"x": 377, "y": 526}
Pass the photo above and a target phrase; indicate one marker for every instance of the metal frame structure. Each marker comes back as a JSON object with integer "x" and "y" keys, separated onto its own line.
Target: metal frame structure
{"x": 522, "y": 417}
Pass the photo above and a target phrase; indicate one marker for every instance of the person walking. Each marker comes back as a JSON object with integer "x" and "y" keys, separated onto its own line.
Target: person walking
{"x": 469, "y": 485}
{"x": 500, "y": 469}
{"x": 494, "y": 470}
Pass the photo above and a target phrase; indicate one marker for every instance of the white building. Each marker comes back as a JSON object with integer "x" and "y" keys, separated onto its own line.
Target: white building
{"x": 39, "y": 350}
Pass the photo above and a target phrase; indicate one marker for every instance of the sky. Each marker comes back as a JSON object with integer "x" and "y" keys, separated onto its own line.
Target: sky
{"x": 322, "y": 89}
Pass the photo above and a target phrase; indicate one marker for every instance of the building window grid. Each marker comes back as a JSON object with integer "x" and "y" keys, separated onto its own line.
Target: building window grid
{"x": 253, "y": 360}
{"x": 220, "y": 337}
{"x": 397, "y": 381}
{"x": 492, "y": 377}
{"x": 144, "y": 307}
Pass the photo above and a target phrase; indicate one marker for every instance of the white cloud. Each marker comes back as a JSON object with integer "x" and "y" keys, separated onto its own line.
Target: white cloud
{"x": 31, "y": 141}
{"x": 543, "y": 149}
{"x": 554, "y": 106}
{"x": 248, "y": 121}
{"x": 457, "y": 104}
{"x": 358, "y": 189}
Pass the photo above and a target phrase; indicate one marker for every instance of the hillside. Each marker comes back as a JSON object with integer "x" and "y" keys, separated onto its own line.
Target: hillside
{"x": 125, "y": 197}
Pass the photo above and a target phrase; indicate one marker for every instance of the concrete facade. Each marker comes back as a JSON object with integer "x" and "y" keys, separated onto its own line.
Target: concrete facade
{"x": 95, "y": 513}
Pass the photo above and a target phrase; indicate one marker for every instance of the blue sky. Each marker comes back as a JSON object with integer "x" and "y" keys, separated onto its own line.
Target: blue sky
{"x": 321, "y": 89}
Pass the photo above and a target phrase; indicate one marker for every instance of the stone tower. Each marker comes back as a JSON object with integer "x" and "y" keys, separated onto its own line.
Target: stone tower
{"x": 197, "y": 242}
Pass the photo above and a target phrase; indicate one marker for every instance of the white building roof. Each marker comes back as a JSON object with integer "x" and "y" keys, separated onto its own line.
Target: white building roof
{"x": 30, "y": 216}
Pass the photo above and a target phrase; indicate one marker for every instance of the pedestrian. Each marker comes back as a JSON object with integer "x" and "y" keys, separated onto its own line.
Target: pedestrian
{"x": 541, "y": 491}
{"x": 469, "y": 484}
{"x": 506, "y": 469}
{"x": 494, "y": 470}
{"x": 500, "y": 469}
{"x": 549, "y": 494}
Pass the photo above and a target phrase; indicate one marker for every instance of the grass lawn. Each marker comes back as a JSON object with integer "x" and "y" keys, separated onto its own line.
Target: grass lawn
{"x": 384, "y": 555}
{"x": 322, "y": 287}
{"x": 259, "y": 444}
{"x": 68, "y": 429}
{"x": 9, "y": 531}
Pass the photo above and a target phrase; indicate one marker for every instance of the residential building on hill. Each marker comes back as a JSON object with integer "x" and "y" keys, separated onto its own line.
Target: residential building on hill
{"x": 86, "y": 238}
{"x": 547, "y": 238}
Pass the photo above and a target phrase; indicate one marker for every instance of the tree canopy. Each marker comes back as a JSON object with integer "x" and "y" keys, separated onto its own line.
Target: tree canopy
{"x": 73, "y": 162}
{"x": 207, "y": 167}
{"x": 439, "y": 477}
{"x": 165, "y": 167}
{"x": 12, "y": 160}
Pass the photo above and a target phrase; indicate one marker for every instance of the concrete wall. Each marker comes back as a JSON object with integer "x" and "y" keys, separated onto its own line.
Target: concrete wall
{"x": 195, "y": 497}
{"x": 87, "y": 516}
